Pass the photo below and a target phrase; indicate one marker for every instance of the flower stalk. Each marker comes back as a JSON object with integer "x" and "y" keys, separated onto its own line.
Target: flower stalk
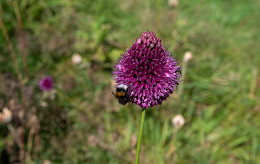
{"x": 150, "y": 73}
{"x": 140, "y": 137}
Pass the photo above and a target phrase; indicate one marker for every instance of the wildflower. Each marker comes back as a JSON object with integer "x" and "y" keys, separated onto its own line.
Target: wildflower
{"x": 46, "y": 83}
{"x": 6, "y": 116}
{"x": 149, "y": 70}
{"x": 76, "y": 58}
{"x": 178, "y": 121}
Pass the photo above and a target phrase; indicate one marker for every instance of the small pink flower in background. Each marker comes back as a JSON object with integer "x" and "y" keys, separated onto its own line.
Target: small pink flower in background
{"x": 178, "y": 121}
{"x": 46, "y": 83}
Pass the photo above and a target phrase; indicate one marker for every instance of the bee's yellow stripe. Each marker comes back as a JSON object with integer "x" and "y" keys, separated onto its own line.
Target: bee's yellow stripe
{"x": 120, "y": 94}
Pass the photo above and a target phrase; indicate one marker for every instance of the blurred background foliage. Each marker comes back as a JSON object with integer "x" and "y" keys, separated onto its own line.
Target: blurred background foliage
{"x": 80, "y": 121}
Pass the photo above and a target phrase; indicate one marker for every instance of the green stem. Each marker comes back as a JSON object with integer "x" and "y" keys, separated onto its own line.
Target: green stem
{"x": 140, "y": 137}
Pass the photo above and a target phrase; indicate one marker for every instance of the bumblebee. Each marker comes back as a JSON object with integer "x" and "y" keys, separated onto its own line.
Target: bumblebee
{"x": 179, "y": 71}
{"x": 122, "y": 94}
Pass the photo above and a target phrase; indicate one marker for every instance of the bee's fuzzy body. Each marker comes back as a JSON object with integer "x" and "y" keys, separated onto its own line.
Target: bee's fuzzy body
{"x": 122, "y": 94}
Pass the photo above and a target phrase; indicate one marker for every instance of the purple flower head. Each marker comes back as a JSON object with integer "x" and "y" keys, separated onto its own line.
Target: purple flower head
{"x": 46, "y": 83}
{"x": 149, "y": 70}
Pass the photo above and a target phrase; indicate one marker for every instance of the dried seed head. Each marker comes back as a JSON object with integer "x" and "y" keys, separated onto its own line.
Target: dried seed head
{"x": 6, "y": 116}
{"x": 178, "y": 121}
{"x": 187, "y": 56}
{"x": 76, "y": 59}
{"x": 173, "y": 3}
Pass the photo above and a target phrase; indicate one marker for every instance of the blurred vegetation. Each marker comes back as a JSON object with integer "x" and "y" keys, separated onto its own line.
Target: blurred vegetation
{"x": 81, "y": 122}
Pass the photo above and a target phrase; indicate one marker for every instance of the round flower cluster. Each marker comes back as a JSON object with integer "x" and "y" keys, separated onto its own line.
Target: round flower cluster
{"x": 46, "y": 83}
{"x": 149, "y": 70}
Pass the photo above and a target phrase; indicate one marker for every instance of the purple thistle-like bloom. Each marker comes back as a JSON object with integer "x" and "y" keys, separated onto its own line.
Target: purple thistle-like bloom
{"x": 46, "y": 83}
{"x": 149, "y": 70}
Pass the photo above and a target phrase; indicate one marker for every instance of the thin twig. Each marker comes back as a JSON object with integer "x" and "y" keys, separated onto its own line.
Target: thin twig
{"x": 21, "y": 87}
{"x": 21, "y": 38}
{"x": 29, "y": 145}
{"x": 2, "y": 26}
{"x": 15, "y": 136}
{"x": 2, "y": 83}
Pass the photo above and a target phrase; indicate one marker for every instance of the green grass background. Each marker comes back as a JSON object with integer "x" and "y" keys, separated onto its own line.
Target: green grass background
{"x": 85, "y": 124}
